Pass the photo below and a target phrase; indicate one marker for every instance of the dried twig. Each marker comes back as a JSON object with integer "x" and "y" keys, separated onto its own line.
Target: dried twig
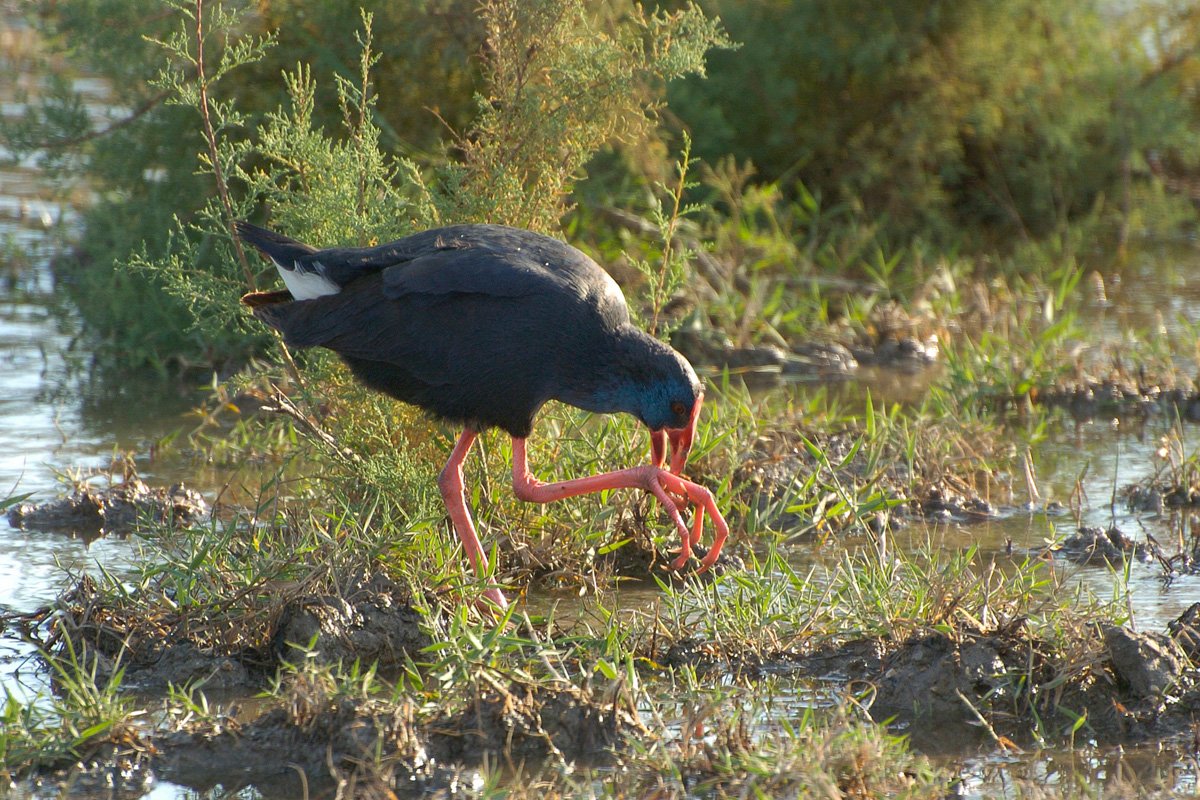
{"x": 281, "y": 404}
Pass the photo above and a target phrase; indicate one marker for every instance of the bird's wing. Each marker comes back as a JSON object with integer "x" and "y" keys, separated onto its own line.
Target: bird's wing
{"x": 469, "y": 270}
{"x": 486, "y": 260}
{"x": 437, "y": 339}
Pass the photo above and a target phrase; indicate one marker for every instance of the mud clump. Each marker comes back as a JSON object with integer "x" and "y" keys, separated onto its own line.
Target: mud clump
{"x": 179, "y": 663}
{"x": 311, "y": 734}
{"x": 900, "y": 352}
{"x": 1095, "y": 545}
{"x": 949, "y": 678}
{"x": 943, "y": 504}
{"x": 389, "y": 742}
{"x": 236, "y": 646}
{"x": 815, "y": 360}
{"x": 91, "y": 513}
{"x": 1121, "y": 397}
{"x": 1132, "y": 685}
{"x": 1147, "y": 665}
{"x": 941, "y": 686}
{"x": 1156, "y": 498}
{"x": 1186, "y": 632}
{"x": 527, "y": 721}
{"x": 374, "y": 624}
{"x": 764, "y": 365}
{"x": 157, "y": 648}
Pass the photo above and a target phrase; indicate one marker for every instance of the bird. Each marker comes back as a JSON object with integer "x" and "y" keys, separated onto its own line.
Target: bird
{"x": 480, "y": 325}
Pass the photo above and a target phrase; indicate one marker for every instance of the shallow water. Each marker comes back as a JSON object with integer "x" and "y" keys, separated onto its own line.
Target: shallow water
{"x": 56, "y": 420}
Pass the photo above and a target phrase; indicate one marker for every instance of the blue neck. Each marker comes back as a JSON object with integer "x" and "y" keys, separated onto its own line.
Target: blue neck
{"x": 611, "y": 399}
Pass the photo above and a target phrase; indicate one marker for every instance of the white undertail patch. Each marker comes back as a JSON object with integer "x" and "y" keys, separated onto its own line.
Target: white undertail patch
{"x": 306, "y": 285}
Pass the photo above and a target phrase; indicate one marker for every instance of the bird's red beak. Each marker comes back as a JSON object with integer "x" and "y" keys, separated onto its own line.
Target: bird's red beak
{"x": 680, "y": 441}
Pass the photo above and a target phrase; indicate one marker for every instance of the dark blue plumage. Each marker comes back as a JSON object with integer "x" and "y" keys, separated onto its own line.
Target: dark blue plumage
{"x": 481, "y": 325}
{"x": 478, "y": 324}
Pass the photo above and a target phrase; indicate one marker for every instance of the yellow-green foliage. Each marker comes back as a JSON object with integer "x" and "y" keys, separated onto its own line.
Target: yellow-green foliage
{"x": 1002, "y": 116}
{"x": 558, "y": 81}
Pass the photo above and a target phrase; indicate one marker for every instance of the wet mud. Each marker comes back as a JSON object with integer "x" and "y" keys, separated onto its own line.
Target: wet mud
{"x": 1185, "y": 630}
{"x": 91, "y": 513}
{"x": 1095, "y": 545}
{"x": 1158, "y": 496}
{"x": 314, "y": 739}
{"x": 373, "y": 623}
{"x": 764, "y": 365}
{"x": 1119, "y": 398}
{"x": 941, "y": 686}
{"x": 227, "y": 647}
{"x": 391, "y": 743}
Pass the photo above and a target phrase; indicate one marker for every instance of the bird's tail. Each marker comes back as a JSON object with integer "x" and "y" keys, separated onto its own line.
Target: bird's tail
{"x": 304, "y": 276}
{"x": 283, "y": 250}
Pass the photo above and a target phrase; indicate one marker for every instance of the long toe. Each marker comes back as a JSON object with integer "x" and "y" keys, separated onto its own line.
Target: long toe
{"x": 680, "y": 562}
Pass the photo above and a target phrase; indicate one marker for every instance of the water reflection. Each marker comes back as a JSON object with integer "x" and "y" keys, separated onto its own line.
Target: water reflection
{"x": 56, "y": 417}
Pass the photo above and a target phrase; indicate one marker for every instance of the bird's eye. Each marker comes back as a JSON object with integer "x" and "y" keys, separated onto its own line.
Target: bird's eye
{"x": 678, "y": 408}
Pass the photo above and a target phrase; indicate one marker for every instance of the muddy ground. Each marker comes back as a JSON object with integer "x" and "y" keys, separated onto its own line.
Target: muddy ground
{"x": 372, "y": 621}
{"x": 390, "y": 742}
{"x": 943, "y": 688}
{"x": 314, "y": 739}
{"x": 90, "y": 513}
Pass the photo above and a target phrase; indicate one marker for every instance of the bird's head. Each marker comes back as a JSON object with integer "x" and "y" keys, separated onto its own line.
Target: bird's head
{"x": 679, "y": 439}
{"x": 671, "y": 408}
{"x": 642, "y": 376}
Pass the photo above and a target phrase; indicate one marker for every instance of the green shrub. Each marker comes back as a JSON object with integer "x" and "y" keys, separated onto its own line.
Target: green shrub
{"x": 999, "y": 118}
{"x": 554, "y": 82}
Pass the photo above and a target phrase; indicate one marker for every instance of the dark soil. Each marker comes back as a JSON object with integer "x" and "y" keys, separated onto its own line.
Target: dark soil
{"x": 374, "y": 623}
{"x": 91, "y": 513}
{"x": 161, "y": 645}
{"x": 1095, "y": 545}
{"x": 1121, "y": 397}
{"x": 940, "y": 687}
{"x": 1186, "y": 632}
{"x": 305, "y": 740}
{"x": 766, "y": 365}
{"x": 1157, "y": 496}
{"x": 390, "y": 744}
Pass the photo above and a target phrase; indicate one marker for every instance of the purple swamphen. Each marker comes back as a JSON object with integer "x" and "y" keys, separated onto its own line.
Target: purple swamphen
{"x": 481, "y": 325}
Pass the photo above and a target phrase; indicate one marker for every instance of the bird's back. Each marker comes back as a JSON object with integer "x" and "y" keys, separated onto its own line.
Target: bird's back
{"x": 478, "y": 324}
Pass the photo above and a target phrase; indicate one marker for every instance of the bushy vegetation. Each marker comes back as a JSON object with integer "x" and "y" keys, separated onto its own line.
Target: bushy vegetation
{"x": 989, "y": 121}
{"x": 867, "y": 139}
{"x": 870, "y": 171}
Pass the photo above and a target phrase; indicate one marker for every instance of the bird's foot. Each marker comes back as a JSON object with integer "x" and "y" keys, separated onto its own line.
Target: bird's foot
{"x": 665, "y": 485}
{"x": 679, "y": 563}
{"x": 709, "y": 559}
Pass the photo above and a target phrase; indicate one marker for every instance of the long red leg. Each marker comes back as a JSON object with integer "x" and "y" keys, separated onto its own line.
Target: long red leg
{"x": 650, "y": 478}
{"x": 450, "y": 482}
